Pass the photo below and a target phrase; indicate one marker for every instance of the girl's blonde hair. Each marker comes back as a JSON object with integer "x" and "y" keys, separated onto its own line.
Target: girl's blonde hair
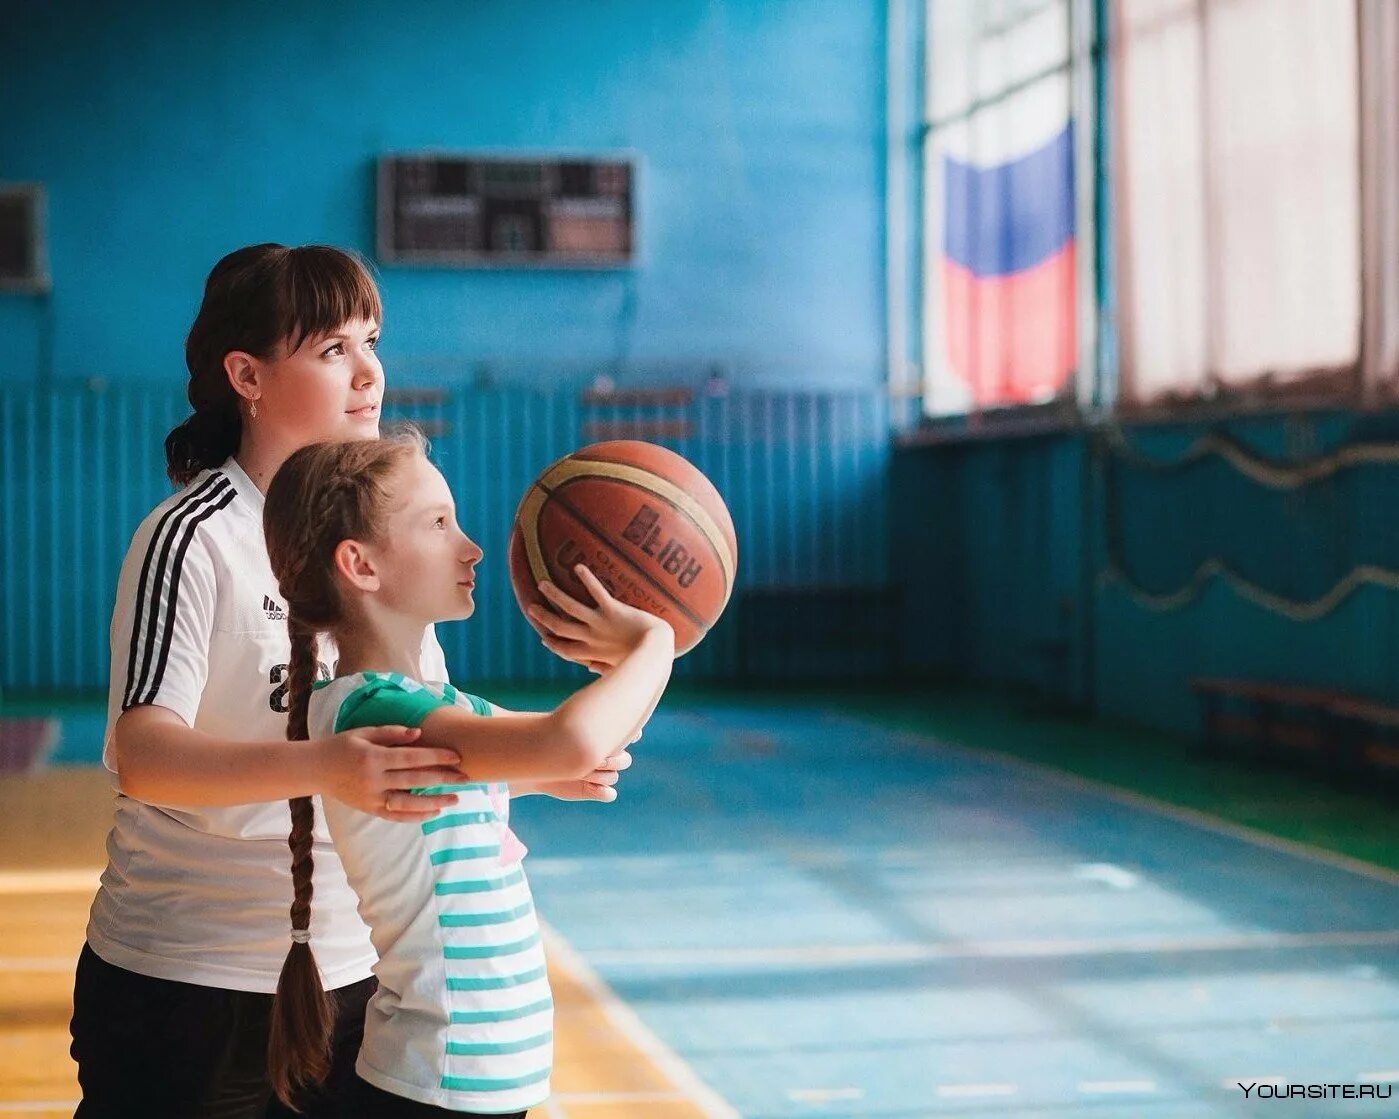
{"x": 323, "y": 494}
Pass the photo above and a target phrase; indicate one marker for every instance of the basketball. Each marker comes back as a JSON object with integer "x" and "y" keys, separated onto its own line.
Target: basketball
{"x": 647, "y": 523}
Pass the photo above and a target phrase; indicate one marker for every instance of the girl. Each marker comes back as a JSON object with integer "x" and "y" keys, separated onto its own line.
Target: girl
{"x": 365, "y": 546}
{"x": 187, "y": 932}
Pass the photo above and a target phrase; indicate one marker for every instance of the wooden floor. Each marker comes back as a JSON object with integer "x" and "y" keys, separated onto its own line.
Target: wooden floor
{"x": 52, "y": 828}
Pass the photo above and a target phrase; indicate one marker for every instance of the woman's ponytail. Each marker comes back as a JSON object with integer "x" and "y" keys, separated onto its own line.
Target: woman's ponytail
{"x": 205, "y": 440}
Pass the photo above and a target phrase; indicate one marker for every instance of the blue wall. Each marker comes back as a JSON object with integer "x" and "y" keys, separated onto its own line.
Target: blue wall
{"x": 804, "y": 475}
{"x": 169, "y": 133}
{"x": 1002, "y": 547}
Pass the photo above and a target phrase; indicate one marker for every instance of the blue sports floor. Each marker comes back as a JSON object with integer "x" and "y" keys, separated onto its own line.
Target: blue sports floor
{"x": 825, "y": 918}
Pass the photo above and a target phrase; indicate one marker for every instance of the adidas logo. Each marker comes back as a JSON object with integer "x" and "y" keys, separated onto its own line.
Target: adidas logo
{"x": 272, "y": 610}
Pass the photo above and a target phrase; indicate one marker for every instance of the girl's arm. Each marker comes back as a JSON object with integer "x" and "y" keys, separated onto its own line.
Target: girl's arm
{"x": 572, "y": 740}
{"x": 596, "y": 722}
{"x": 597, "y": 785}
{"x": 160, "y": 759}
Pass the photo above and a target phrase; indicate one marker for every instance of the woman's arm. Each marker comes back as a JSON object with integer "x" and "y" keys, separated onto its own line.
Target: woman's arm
{"x": 162, "y": 760}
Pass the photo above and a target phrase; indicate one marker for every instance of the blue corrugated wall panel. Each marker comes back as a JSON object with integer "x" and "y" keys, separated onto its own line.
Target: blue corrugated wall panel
{"x": 1003, "y": 564}
{"x": 988, "y": 550}
{"x": 805, "y": 476}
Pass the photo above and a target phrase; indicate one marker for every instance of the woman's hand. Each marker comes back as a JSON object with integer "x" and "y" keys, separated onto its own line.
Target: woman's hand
{"x": 597, "y": 637}
{"x": 372, "y": 769}
{"x": 597, "y": 785}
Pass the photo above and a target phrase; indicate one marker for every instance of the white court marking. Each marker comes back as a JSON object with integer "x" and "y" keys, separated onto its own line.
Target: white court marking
{"x": 83, "y": 881}
{"x": 1115, "y": 1087}
{"x": 1136, "y": 800}
{"x": 824, "y": 1095}
{"x": 975, "y": 1091}
{"x": 629, "y": 1024}
{"x": 877, "y": 954}
{"x": 1119, "y": 878}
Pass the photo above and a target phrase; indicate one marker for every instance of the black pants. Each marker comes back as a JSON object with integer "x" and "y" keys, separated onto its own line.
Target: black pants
{"x": 164, "y": 1050}
{"x": 365, "y": 1101}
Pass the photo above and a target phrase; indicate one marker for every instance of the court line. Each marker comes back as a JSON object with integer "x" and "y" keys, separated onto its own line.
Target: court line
{"x": 824, "y": 1095}
{"x": 629, "y": 1023}
{"x": 975, "y": 1091}
{"x": 1135, "y": 799}
{"x": 621, "y": 1097}
{"x": 38, "y": 964}
{"x": 1115, "y": 1087}
{"x": 85, "y": 880}
{"x": 990, "y": 949}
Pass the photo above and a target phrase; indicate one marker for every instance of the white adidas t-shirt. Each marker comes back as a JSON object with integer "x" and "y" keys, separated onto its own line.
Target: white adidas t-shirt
{"x": 203, "y": 894}
{"x": 463, "y": 1017}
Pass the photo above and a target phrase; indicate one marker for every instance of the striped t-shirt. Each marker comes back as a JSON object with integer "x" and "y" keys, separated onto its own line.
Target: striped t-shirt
{"x": 463, "y": 1018}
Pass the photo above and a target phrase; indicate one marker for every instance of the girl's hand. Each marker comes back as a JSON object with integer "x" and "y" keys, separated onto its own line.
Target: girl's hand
{"x": 598, "y": 637}
{"x": 373, "y": 768}
{"x": 597, "y": 785}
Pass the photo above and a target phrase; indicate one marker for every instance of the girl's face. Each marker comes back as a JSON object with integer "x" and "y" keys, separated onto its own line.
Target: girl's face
{"x": 328, "y": 389}
{"x": 425, "y": 563}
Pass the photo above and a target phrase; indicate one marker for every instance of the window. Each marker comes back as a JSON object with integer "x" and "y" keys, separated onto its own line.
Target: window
{"x": 1001, "y": 266}
{"x": 1236, "y": 194}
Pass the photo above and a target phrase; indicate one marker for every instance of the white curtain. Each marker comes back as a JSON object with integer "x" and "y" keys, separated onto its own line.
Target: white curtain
{"x": 1237, "y": 193}
{"x": 1379, "y": 123}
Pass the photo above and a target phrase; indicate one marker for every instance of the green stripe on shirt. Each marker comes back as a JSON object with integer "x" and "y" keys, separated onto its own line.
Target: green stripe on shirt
{"x": 483, "y": 1084}
{"x": 472, "y": 920}
{"x": 485, "y": 951}
{"x": 497, "y": 1048}
{"x": 437, "y": 790}
{"x": 479, "y": 1017}
{"x": 494, "y": 982}
{"x": 455, "y": 854}
{"x": 479, "y": 885}
{"x": 456, "y": 819}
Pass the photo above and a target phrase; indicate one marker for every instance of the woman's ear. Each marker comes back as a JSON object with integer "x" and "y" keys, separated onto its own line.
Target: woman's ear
{"x": 244, "y": 374}
{"x": 354, "y": 562}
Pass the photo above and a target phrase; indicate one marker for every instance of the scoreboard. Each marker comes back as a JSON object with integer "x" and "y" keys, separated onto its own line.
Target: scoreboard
{"x": 484, "y": 211}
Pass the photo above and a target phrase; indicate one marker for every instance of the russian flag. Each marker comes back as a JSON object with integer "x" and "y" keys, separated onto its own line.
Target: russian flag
{"x": 1007, "y": 272}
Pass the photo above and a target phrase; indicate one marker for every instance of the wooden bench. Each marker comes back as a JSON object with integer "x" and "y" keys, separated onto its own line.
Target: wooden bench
{"x": 1344, "y": 737}
{"x": 1373, "y": 733}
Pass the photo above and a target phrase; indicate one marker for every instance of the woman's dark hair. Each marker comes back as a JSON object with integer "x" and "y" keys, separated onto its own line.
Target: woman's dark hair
{"x": 255, "y": 299}
{"x": 323, "y": 494}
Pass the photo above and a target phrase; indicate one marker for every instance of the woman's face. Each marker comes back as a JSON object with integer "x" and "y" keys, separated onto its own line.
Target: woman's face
{"x": 329, "y": 388}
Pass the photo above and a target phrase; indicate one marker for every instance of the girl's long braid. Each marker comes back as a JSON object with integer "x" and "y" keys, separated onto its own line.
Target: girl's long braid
{"x": 323, "y": 494}
{"x": 303, "y": 1018}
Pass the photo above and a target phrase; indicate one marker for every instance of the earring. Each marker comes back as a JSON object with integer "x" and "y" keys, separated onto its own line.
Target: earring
{"x": 252, "y": 409}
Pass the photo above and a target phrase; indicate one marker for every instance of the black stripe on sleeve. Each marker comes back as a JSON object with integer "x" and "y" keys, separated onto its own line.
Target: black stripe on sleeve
{"x": 190, "y": 527}
{"x": 153, "y": 577}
